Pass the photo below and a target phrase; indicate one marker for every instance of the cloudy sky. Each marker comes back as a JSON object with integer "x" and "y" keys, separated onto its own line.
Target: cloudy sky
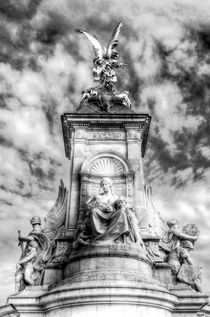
{"x": 44, "y": 65}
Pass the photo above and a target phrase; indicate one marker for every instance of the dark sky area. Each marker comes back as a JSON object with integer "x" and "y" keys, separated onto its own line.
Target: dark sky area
{"x": 44, "y": 66}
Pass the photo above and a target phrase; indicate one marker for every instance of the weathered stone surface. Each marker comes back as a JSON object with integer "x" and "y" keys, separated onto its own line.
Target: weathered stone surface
{"x": 124, "y": 135}
{"x": 108, "y": 254}
{"x": 53, "y": 274}
{"x": 97, "y": 298}
{"x": 162, "y": 272}
{"x": 109, "y": 258}
{"x": 178, "y": 245}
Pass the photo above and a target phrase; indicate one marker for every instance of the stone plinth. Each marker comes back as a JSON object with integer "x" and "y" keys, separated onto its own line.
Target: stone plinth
{"x": 109, "y": 279}
{"x": 113, "y": 135}
{"x": 108, "y": 262}
{"x": 106, "y": 297}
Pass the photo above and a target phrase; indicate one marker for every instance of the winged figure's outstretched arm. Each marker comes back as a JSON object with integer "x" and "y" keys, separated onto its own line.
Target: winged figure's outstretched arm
{"x": 98, "y": 50}
{"x": 56, "y": 216}
{"x": 114, "y": 39}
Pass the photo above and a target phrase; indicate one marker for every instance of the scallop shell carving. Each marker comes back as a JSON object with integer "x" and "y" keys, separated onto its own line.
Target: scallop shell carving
{"x": 107, "y": 166}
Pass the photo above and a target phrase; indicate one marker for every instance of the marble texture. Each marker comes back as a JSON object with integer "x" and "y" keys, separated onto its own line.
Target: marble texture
{"x": 111, "y": 278}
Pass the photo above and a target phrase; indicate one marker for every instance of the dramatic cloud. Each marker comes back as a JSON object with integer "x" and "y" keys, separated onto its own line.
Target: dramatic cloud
{"x": 44, "y": 66}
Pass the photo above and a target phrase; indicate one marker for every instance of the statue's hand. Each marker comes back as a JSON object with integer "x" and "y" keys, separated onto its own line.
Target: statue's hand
{"x": 192, "y": 238}
{"x": 18, "y": 266}
{"x": 108, "y": 208}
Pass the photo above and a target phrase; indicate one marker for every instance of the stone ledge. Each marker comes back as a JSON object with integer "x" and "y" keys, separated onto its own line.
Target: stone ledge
{"x": 9, "y": 310}
{"x": 37, "y": 301}
{"x": 111, "y": 250}
{"x": 33, "y": 299}
{"x": 188, "y": 299}
{"x": 109, "y": 276}
{"x": 137, "y": 294}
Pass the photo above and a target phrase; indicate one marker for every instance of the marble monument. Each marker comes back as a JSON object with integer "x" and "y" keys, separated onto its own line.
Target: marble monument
{"x": 104, "y": 249}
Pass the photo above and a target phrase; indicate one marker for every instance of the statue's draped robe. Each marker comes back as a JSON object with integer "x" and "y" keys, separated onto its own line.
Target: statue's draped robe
{"x": 177, "y": 258}
{"x": 108, "y": 223}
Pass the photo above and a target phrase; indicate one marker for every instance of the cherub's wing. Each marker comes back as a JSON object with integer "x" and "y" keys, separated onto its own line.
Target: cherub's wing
{"x": 114, "y": 39}
{"x": 56, "y": 216}
{"x": 98, "y": 50}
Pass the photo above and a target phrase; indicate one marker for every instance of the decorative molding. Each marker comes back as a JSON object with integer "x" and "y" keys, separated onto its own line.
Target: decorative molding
{"x": 133, "y": 134}
{"x": 107, "y": 166}
{"x": 115, "y": 121}
{"x": 109, "y": 275}
{"x": 88, "y": 163}
{"x": 104, "y": 135}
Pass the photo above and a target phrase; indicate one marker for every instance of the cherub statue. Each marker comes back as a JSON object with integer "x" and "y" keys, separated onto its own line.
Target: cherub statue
{"x": 179, "y": 244}
{"x": 83, "y": 236}
{"x": 133, "y": 235}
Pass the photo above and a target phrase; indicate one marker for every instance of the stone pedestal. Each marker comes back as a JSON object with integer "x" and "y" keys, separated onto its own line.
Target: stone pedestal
{"x": 113, "y": 280}
{"x": 121, "y": 137}
{"x": 109, "y": 278}
{"x": 108, "y": 262}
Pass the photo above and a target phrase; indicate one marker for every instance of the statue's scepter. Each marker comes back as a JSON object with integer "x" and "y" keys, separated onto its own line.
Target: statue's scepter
{"x": 20, "y": 242}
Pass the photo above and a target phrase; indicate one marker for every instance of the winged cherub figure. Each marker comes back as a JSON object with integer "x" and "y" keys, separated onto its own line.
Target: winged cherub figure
{"x": 106, "y": 60}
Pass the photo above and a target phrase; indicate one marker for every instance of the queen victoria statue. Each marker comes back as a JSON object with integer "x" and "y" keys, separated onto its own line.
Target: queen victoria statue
{"x": 108, "y": 219}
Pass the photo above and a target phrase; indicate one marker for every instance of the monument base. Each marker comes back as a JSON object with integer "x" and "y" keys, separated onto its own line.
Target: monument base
{"x": 109, "y": 280}
{"x": 106, "y": 298}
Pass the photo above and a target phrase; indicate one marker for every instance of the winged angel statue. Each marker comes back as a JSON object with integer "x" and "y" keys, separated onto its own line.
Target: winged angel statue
{"x": 38, "y": 247}
{"x": 104, "y": 65}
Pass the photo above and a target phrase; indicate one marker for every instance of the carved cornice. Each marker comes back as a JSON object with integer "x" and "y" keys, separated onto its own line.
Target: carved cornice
{"x": 124, "y": 122}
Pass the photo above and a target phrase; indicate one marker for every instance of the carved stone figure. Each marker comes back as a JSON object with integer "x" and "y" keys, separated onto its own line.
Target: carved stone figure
{"x": 40, "y": 244}
{"x": 106, "y": 59}
{"x": 83, "y": 235}
{"x": 108, "y": 219}
{"x": 101, "y": 209}
{"x": 36, "y": 253}
{"x": 104, "y": 65}
{"x": 127, "y": 216}
{"x": 181, "y": 243}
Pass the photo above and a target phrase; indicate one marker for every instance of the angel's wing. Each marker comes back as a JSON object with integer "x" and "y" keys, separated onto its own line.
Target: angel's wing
{"x": 56, "y": 216}
{"x": 45, "y": 248}
{"x": 114, "y": 39}
{"x": 98, "y": 50}
{"x": 155, "y": 219}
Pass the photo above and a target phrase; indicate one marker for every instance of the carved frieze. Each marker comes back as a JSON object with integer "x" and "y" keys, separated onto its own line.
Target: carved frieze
{"x": 133, "y": 134}
{"x": 104, "y": 135}
{"x": 80, "y": 134}
{"x": 110, "y": 275}
{"x": 99, "y": 135}
{"x": 107, "y": 127}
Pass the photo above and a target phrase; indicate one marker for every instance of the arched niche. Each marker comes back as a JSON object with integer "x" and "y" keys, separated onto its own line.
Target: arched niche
{"x": 107, "y": 164}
